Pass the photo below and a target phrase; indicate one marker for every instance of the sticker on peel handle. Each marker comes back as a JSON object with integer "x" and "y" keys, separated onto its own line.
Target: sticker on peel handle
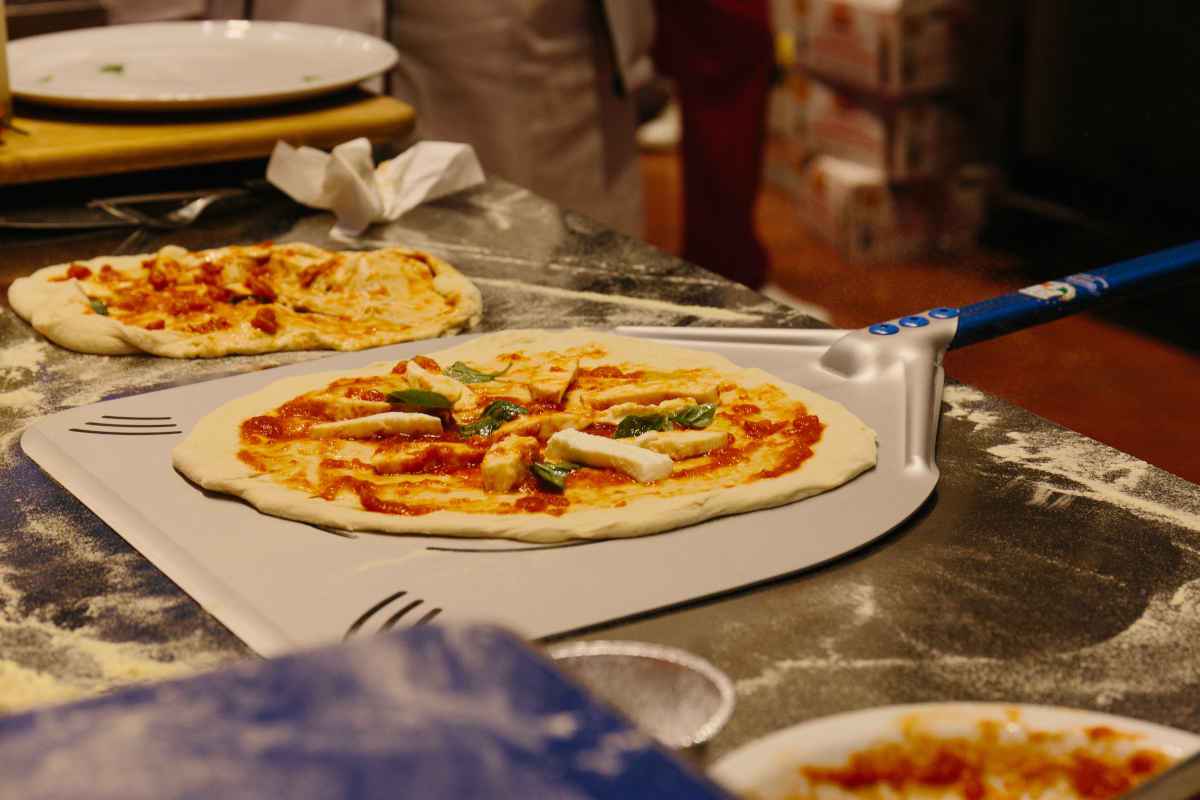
{"x": 1094, "y": 285}
{"x": 1051, "y": 291}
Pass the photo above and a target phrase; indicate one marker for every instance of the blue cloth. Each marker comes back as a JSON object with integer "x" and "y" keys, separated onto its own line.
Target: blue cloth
{"x": 431, "y": 712}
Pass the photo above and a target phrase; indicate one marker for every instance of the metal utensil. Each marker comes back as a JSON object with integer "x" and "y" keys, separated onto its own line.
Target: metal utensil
{"x": 1180, "y": 782}
{"x": 678, "y": 698}
{"x": 61, "y": 219}
{"x": 129, "y": 208}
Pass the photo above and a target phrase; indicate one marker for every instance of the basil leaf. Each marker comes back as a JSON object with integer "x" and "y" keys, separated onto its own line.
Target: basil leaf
{"x": 113, "y": 69}
{"x": 504, "y": 410}
{"x": 553, "y": 475}
{"x": 496, "y": 414}
{"x": 635, "y": 426}
{"x": 464, "y": 374}
{"x": 700, "y": 416}
{"x": 484, "y": 426}
{"x": 99, "y": 307}
{"x": 419, "y": 398}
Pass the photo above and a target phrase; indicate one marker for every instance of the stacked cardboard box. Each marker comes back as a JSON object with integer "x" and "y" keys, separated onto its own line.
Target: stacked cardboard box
{"x": 875, "y": 147}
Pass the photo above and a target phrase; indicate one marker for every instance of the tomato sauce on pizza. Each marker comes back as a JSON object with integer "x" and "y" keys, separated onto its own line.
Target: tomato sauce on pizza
{"x": 535, "y": 435}
{"x": 1098, "y": 763}
{"x": 246, "y": 299}
{"x": 727, "y": 436}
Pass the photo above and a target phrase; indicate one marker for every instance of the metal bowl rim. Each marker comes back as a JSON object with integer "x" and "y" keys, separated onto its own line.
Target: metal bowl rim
{"x": 673, "y": 655}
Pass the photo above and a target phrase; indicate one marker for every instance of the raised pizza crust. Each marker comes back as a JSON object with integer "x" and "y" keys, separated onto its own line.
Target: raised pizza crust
{"x": 847, "y": 447}
{"x": 379, "y": 297}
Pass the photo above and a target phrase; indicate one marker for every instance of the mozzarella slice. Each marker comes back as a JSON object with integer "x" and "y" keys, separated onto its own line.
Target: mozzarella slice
{"x": 543, "y": 426}
{"x": 506, "y": 463}
{"x": 551, "y": 380}
{"x": 598, "y": 451}
{"x": 349, "y": 407}
{"x": 492, "y": 390}
{"x": 652, "y": 392}
{"x": 454, "y": 391}
{"x": 389, "y": 422}
{"x": 682, "y": 444}
{"x": 614, "y": 414}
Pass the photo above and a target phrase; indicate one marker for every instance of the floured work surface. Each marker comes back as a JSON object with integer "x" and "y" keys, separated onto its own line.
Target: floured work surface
{"x": 1046, "y": 568}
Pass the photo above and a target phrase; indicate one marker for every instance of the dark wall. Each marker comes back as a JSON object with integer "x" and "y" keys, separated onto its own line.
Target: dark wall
{"x": 1112, "y": 98}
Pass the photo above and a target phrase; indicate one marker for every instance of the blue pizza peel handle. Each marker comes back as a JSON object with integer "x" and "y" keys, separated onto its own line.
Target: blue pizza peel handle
{"x": 916, "y": 343}
{"x": 1043, "y": 302}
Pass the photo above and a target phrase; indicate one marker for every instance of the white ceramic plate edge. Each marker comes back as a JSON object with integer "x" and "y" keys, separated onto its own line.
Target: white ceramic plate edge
{"x": 830, "y": 740}
{"x": 382, "y": 58}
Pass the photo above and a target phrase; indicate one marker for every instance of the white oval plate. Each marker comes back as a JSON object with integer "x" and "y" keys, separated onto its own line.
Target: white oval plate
{"x": 177, "y": 66}
{"x": 767, "y": 767}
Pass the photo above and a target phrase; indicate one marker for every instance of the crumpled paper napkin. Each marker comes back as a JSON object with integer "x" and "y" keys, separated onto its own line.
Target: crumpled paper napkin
{"x": 347, "y": 182}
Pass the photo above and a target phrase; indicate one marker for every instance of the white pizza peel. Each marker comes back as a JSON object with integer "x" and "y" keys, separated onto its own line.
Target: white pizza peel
{"x": 279, "y": 584}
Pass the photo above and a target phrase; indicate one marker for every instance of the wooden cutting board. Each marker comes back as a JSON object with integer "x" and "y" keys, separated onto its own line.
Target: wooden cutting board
{"x": 75, "y": 144}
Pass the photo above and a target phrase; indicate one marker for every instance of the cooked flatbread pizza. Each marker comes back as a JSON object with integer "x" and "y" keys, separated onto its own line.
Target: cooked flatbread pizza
{"x": 535, "y": 435}
{"x": 246, "y": 299}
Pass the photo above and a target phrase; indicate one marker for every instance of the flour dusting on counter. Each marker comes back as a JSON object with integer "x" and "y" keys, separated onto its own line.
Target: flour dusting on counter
{"x": 76, "y": 603}
{"x": 1077, "y": 466}
{"x": 663, "y": 306}
{"x": 964, "y": 402}
{"x": 27, "y": 355}
{"x": 1070, "y": 465}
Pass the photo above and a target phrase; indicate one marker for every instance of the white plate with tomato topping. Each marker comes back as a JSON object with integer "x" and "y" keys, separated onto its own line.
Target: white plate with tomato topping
{"x": 975, "y": 751}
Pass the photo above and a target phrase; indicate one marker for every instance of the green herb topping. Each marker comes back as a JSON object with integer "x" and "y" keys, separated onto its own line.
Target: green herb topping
{"x": 464, "y": 374}
{"x": 496, "y": 414}
{"x": 99, "y": 307}
{"x": 552, "y": 475}
{"x": 419, "y": 398}
{"x": 113, "y": 69}
{"x": 700, "y": 416}
{"x": 636, "y": 426}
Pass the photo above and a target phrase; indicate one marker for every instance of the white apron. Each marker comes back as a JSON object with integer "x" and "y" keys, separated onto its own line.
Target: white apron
{"x": 532, "y": 84}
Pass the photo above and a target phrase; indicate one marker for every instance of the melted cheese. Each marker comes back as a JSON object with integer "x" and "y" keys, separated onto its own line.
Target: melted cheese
{"x": 543, "y": 426}
{"x": 614, "y": 414}
{"x": 651, "y": 392}
{"x": 350, "y": 408}
{"x": 598, "y": 451}
{"x": 682, "y": 444}
{"x": 389, "y": 422}
{"x": 517, "y": 392}
{"x": 551, "y": 380}
{"x": 454, "y": 391}
{"x": 506, "y": 462}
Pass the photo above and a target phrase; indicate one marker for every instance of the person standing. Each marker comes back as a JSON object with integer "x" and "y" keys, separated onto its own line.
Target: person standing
{"x": 720, "y": 55}
{"x": 543, "y": 89}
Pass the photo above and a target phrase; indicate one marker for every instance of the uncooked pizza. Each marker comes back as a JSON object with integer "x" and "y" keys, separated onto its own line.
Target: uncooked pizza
{"x": 534, "y": 435}
{"x": 245, "y": 299}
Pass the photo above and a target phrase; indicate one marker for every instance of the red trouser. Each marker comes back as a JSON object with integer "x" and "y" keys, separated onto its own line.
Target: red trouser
{"x": 720, "y": 54}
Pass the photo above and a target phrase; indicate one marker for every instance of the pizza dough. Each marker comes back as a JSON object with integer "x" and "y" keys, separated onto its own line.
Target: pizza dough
{"x": 768, "y": 442}
{"x": 245, "y": 299}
